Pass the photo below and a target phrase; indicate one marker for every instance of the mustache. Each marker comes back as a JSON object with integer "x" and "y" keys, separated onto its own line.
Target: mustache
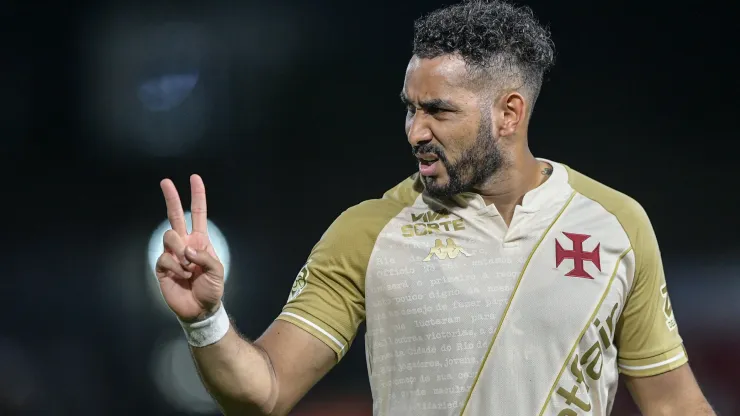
{"x": 428, "y": 148}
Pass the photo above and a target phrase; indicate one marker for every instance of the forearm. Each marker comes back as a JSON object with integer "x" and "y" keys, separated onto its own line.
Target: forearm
{"x": 698, "y": 407}
{"x": 704, "y": 409}
{"x": 701, "y": 408}
{"x": 238, "y": 375}
{"x": 675, "y": 392}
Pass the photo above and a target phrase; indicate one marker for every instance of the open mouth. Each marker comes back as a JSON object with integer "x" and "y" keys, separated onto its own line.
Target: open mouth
{"x": 427, "y": 159}
{"x": 428, "y": 164}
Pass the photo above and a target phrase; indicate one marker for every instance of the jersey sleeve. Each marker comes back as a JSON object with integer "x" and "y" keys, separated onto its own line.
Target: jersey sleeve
{"x": 648, "y": 341}
{"x": 328, "y": 296}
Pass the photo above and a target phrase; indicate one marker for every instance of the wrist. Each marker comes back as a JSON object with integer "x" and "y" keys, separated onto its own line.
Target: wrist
{"x": 208, "y": 330}
{"x": 204, "y": 315}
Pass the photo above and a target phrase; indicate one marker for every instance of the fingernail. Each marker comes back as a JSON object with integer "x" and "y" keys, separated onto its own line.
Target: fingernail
{"x": 185, "y": 262}
{"x": 188, "y": 275}
{"x": 190, "y": 251}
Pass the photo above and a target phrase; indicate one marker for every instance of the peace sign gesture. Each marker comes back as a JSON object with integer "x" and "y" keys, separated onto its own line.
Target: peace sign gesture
{"x": 190, "y": 275}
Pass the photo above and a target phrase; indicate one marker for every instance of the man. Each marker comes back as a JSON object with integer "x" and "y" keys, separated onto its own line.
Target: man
{"x": 492, "y": 282}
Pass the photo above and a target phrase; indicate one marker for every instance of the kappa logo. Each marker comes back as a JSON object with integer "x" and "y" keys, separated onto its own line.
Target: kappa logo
{"x": 450, "y": 251}
{"x": 578, "y": 256}
{"x": 670, "y": 320}
{"x": 300, "y": 282}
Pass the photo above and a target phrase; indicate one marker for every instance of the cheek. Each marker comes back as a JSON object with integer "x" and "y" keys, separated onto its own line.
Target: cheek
{"x": 454, "y": 139}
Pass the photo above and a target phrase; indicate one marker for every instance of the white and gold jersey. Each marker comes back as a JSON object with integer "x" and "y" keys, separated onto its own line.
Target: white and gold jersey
{"x": 468, "y": 316}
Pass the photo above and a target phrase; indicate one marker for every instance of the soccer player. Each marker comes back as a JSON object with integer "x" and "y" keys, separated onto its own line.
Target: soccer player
{"x": 492, "y": 282}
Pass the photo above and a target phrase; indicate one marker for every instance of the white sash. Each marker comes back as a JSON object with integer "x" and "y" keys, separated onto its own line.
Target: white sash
{"x": 548, "y": 313}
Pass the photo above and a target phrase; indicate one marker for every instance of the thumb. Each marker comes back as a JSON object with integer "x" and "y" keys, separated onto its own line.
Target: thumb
{"x": 203, "y": 259}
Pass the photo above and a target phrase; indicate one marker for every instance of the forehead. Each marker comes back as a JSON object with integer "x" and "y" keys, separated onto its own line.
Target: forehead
{"x": 432, "y": 78}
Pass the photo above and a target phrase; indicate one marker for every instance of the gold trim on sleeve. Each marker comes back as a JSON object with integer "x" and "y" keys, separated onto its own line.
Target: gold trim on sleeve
{"x": 659, "y": 364}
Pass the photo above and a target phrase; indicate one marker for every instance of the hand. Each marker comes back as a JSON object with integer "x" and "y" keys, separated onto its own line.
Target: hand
{"x": 190, "y": 275}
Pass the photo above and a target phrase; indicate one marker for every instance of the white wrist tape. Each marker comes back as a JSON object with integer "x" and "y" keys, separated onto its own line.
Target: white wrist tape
{"x": 208, "y": 331}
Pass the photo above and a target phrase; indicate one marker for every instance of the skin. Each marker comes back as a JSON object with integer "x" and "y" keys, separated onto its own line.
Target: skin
{"x": 265, "y": 377}
{"x": 673, "y": 393}
{"x": 446, "y": 112}
{"x": 270, "y": 375}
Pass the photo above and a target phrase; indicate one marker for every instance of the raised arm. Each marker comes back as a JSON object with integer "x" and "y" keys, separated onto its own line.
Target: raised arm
{"x": 267, "y": 377}
{"x": 325, "y": 307}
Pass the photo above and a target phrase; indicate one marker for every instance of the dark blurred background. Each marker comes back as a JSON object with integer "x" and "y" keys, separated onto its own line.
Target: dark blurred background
{"x": 289, "y": 111}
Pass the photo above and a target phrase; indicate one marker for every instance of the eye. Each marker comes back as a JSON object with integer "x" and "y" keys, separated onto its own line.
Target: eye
{"x": 410, "y": 109}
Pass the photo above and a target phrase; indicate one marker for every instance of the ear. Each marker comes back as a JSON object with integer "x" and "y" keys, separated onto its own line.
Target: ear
{"x": 511, "y": 112}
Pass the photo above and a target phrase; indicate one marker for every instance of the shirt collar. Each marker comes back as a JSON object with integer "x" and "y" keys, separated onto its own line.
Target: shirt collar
{"x": 551, "y": 191}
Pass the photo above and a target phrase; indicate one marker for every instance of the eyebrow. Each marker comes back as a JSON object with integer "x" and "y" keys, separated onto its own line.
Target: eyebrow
{"x": 434, "y": 104}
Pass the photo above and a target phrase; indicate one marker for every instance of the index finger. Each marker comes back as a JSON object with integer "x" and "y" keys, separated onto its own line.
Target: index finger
{"x": 174, "y": 207}
{"x": 198, "y": 207}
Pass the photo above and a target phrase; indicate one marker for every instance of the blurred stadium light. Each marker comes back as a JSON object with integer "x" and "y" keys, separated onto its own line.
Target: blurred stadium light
{"x": 159, "y": 89}
{"x": 145, "y": 92}
{"x": 156, "y": 247}
{"x": 177, "y": 379}
{"x": 166, "y": 92}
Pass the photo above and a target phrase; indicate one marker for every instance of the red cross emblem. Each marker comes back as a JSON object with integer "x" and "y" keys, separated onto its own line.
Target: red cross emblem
{"x": 578, "y": 255}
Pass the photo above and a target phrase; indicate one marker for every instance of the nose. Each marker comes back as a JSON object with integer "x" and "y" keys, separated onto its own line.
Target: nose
{"x": 417, "y": 131}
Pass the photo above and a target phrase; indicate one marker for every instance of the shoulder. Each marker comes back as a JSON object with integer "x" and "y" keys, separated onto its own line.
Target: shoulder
{"x": 381, "y": 210}
{"x": 401, "y": 196}
{"x": 630, "y": 214}
{"x": 368, "y": 218}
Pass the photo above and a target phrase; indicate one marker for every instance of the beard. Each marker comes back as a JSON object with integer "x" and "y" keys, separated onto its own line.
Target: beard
{"x": 475, "y": 165}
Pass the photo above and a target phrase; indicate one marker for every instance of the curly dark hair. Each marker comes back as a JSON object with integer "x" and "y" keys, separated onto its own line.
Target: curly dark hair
{"x": 498, "y": 41}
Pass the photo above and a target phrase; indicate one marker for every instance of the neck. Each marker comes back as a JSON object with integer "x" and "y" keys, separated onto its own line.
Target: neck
{"x": 506, "y": 188}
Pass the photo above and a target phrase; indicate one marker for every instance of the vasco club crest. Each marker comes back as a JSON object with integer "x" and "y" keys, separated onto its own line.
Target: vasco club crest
{"x": 300, "y": 282}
